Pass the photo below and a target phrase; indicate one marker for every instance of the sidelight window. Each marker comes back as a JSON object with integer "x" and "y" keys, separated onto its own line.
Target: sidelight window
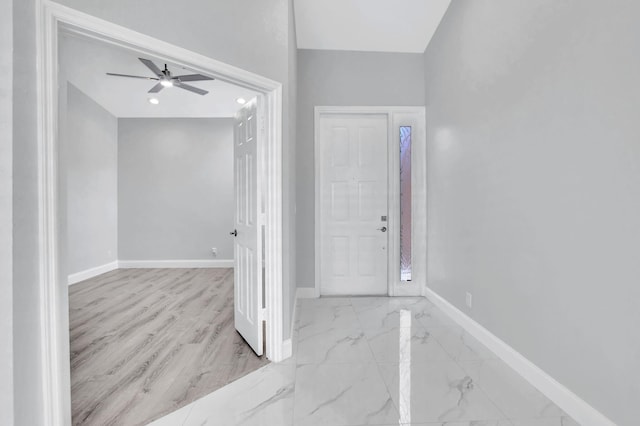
{"x": 405, "y": 203}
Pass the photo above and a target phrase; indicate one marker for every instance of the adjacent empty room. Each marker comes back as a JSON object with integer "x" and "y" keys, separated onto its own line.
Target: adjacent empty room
{"x": 149, "y": 212}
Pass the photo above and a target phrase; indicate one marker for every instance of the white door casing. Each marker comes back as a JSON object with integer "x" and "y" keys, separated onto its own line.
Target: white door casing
{"x": 353, "y": 190}
{"x": 248, "y": 229}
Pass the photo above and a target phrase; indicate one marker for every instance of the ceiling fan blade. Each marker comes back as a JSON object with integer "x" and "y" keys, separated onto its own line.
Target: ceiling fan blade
{"x": 193, "y": 77}
{"x": 157, "y": 71}
{"x": 189, "y": 88}
{"x": 155, "y": 89}
{"x": 131, "y": 76}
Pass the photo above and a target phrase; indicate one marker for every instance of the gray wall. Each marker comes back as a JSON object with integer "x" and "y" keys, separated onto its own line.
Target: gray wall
{"x": 175, "y": 188}
{"x": 204, "y": 27}
{"x": 6, "y": 217}
{"x": 26, "y": 320}
{"x": 343, "y": 78}
{"x": 290, "y": 269}
{"x": 533, "y": 183}
{"x": 91, "y": 153}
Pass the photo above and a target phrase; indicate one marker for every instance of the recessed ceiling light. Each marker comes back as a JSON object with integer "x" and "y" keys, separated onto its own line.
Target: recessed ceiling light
{"x": 166, "y": 83}
{"x": 241, "y": 101}
{"x": 154, "y": 101}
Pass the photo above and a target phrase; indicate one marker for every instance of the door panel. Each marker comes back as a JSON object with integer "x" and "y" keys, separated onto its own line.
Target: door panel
{"x": 340, "y": 201}
{"x": 340, "y": 147}
{"x": 353, "y": 194}
{"x": 247, "y": 243}
{"x": 367, "y": 200}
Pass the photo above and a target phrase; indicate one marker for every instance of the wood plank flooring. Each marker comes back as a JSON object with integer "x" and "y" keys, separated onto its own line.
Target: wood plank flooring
{"x": 145, "y": 342}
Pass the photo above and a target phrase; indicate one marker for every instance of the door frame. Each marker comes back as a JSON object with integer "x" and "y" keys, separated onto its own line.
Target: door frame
{"x": 396, "y": 116}
{"x": 51, "y": 18}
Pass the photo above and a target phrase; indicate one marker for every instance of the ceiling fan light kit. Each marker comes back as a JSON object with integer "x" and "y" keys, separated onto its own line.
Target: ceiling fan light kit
{"x": 166, "y": 79}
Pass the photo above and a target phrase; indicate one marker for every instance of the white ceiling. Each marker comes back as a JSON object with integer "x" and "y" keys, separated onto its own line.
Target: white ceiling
{"x": 368, "y": 25}
{"x": 85, "y": 62}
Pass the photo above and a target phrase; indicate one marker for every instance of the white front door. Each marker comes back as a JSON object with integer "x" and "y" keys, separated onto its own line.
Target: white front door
{"x": 353, "y": 207}
{"x": 247, "y": 232}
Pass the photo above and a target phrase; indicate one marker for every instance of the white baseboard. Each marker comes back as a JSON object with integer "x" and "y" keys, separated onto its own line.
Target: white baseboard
{"x": 128, "y": 264}
{"x": 195, "y": 263}
{"x": 306, "y": 293}
{"x": 571, "y": 403}
{"x": 92, "y": 272}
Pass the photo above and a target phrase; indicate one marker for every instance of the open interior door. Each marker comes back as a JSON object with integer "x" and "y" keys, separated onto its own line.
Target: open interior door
{"x": 247, "y": 232}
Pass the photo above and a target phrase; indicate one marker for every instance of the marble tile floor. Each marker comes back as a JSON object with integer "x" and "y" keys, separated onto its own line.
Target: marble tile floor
{"x": 376, "y": 361}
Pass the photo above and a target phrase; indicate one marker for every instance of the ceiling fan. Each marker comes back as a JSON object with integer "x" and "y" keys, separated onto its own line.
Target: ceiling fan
{"x": 165, "y": 79}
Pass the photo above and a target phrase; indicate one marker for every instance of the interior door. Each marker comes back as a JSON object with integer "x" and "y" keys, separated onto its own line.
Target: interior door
{"x": 247, "y": 232}
{"x": 353, "y": 207}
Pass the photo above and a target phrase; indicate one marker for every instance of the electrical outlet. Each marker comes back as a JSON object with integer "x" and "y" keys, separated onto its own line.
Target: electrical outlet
{"x": 469, "y": 300}
{"x": 214, "y": 251}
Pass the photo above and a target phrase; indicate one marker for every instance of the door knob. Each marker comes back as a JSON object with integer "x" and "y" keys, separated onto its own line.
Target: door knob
{"x": 383, "y": 229}
{"x": 234, "y": 233}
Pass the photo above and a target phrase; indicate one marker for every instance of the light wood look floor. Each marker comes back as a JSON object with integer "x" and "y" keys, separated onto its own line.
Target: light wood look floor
{"x": 145, "y": 342}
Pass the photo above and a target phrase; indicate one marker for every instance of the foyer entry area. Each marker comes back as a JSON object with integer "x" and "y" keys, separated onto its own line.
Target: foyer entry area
{"x": 377, "y": 361}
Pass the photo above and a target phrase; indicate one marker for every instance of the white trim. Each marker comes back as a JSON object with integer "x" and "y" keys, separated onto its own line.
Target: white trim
{"x": 180, "y": 263}
{"x": 395, "y": 115}
{"x": 50, "y": 19}
{"x": 92, "y": 272}
{"x": 273, "y": 254}
{"x": 306, "y": 293}
{"x": 56, "y": 385}
{"x": 571, "y": 403}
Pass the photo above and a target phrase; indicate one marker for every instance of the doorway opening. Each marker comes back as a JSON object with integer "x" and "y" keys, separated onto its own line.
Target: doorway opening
{"x": 148, "y": 197}
{"x": 55, "y": 19}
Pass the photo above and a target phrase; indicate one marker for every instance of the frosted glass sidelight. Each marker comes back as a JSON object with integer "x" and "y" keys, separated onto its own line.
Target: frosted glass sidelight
{"x": 405, "y": 203}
